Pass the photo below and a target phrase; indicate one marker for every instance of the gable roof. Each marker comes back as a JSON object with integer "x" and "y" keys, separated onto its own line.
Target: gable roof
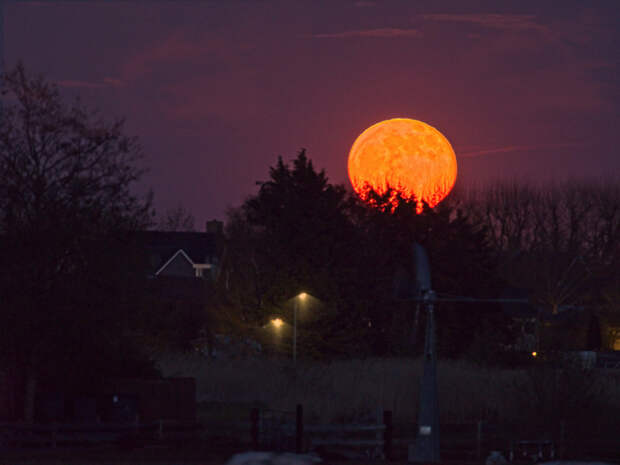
{"x": 179, "y": 253}
{"x": 163, "y": 246}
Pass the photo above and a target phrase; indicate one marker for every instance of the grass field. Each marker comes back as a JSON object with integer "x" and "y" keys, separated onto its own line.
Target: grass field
{"x": 353, "y": 391}
{"x": 350, "y": 390}
{"x": 578, "y": 405}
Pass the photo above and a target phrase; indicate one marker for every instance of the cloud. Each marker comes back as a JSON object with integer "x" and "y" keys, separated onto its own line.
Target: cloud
{"x": 72, "y": 3}
{"x": 383, "y": 33}
{"x": 492, "y": 21}
{"x": 79, "y": 84}
{"x": 178, "y": 48}
{"x": 513, "y": 148}
{"x": 106, "y": 82}
{"x": 113, "y": 82}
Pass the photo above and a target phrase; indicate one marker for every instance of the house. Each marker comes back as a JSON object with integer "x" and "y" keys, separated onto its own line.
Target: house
{"x": 183, "y": 254}
{"x": 182, "y": 268}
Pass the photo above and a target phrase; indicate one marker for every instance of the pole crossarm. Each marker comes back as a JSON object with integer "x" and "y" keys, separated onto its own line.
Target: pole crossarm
{"x": 482, "y": 300}
{"x": 466, "y": 300}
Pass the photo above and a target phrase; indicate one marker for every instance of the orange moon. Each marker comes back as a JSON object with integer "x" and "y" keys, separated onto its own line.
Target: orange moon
{"x": 407, "y": 155}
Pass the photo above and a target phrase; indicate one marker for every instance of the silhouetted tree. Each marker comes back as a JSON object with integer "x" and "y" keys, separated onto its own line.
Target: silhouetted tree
{"x": 555, "y": 240}
{"x": 294, "y": 235}
{"x": 560, "y": 242}
{"x": 300, "y": 233}
{"x": 461, "y": 265}
{"x": 176, "y": 219}
{"x": 70, "y": 275}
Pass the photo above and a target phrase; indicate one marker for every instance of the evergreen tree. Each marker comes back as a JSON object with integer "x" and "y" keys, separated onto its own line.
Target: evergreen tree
{"x": 300, "y": 233}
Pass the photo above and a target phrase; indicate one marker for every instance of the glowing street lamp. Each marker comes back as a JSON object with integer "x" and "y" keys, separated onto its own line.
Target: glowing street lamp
{"x": 277, "y": 322}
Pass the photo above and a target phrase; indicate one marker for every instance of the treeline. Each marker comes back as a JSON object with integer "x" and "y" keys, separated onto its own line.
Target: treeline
{"x": 560, "y": 241}
{"x": 557, "y": 245}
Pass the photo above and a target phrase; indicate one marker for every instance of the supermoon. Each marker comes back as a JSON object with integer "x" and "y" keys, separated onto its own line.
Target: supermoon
{"x": 407, "y": 155}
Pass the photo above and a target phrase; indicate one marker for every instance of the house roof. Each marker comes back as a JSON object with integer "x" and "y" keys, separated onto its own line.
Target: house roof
{"x": 199, "y": 247}
{"x": 179, "y": 253}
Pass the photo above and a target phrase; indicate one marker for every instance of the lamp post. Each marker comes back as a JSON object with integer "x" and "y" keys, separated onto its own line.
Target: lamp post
{"x": 298, "y": 298}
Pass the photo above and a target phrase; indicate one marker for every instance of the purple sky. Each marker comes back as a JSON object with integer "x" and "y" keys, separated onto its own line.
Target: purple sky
{"x": 217, "y": 90}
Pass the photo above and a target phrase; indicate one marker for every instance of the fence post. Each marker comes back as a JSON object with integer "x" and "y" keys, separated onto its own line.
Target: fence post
{"x": 299, "y": 429}
{"x": 562, "y": 445}
{"x": 387, "y": 434}
{"x": 479, "y": 440}
{"x": 379, "y": 421}
{"x": 54, "y": 436}
{"x": 254, "y": 427}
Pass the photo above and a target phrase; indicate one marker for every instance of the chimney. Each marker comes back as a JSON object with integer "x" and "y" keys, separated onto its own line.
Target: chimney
{"x": 215, "y": 227}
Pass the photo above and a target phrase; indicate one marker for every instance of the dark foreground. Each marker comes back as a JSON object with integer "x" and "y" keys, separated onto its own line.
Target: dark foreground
{"x": 186, "y": 453}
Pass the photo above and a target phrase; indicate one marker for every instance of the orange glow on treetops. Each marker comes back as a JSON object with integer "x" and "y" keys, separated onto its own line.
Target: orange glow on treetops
{"x": 407, "y": 155}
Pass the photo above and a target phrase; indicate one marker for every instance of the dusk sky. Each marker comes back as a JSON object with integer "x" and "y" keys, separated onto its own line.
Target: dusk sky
{"x": 216, "y": 90}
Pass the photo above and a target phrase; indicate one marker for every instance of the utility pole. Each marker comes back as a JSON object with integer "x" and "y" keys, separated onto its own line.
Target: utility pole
{"x": 295, "y": 309}
{"x": 298, "y": 299}
{"x": 426, "y": 446}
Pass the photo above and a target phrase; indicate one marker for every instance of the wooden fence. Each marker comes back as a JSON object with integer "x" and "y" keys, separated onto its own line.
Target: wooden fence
{"x": 53, "y": 435}
{"x": 278, "y": 430}
{"x": 286, "y": 431}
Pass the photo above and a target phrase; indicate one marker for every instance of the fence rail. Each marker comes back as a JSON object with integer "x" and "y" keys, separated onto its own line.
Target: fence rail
{"x": 348, "y": 442}
{"x": 273, "y": 431}
{"x": 284, "y": 430}
{"x": 69, "y": 434}
{"x": 471, "y": 441}
{"x": 353, "y": 428}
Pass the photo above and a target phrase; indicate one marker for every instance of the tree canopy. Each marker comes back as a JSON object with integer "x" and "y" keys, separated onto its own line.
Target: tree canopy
{"x": 67, "y": 210}
{"x": 301, "y": 233}
{"x": 288, "y": 238}
{"x": 176, "y": 219}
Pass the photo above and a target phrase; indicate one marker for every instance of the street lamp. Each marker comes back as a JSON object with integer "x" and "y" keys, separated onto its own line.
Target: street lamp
{"x": 298, "y": 298}
{"x": 277, "y": 322}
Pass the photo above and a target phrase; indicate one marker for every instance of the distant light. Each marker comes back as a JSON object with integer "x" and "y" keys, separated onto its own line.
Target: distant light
{"x": 303, "y": 295}
{"x": 534, "y": 354}
{"x": 277, "y": 322}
